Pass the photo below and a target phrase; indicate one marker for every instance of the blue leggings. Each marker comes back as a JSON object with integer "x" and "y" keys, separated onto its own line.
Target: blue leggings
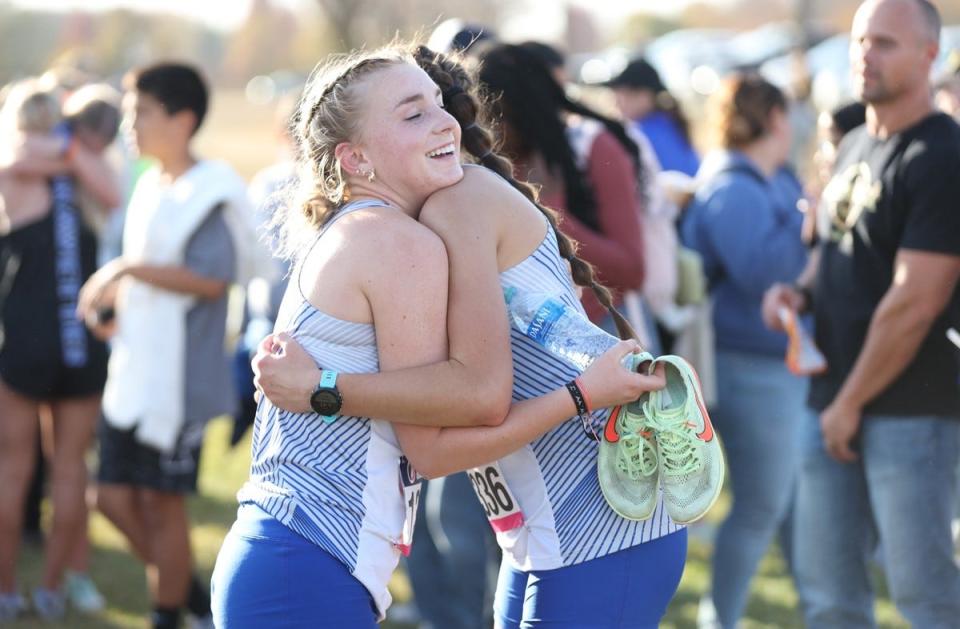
{"x": 627, "y": 589}
{"x": 269, "y": 576}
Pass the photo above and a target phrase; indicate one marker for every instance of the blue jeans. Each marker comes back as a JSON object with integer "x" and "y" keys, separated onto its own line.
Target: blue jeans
{"x": 760, "y": 414}
{"x": 901, "y": 491}
{"x": 452, "y": 550}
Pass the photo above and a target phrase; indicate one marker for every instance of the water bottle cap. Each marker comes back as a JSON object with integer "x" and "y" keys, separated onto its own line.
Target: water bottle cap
{"x": 509, "y": 292}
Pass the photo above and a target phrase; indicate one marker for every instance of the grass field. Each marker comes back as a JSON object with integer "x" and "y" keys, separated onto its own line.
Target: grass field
{"x": 773, "y": 602}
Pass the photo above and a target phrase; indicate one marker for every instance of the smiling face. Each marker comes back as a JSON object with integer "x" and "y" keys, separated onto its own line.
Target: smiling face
{"x": 405, "y": 134}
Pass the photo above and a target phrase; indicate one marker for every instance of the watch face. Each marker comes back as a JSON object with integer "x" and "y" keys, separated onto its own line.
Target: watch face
{"x": 326, "y": 402}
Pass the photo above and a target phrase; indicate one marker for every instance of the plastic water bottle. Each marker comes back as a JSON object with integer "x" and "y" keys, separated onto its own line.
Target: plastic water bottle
{"x": 562, "y": 330}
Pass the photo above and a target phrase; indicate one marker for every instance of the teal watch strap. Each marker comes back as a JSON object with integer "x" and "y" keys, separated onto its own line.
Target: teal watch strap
{"x": 328, "y": 380}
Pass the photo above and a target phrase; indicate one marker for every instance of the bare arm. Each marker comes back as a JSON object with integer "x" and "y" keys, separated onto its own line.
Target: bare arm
{"x": 440, "y": 451}
{"x": 471, "y": 387}
{"x": 173, "y": 278}
{"x": 923, "y": 285}
{"x": 43, "y": 156}
{"x": 37, "y": 155}
{"x": 178, "y": 279}
{"x": 96, "y": 176}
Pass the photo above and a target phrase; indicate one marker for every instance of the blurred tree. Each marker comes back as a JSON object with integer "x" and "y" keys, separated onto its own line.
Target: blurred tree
{"x": 263, "y": 43}
{"x": 126, "y": 39}
{"x": 28, "y": 42}
{"x": 359, "y": 23}
{"x": 642, "y": 27}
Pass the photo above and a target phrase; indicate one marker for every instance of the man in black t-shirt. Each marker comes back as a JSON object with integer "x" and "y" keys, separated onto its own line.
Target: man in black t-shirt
{"x": 881, "y": 459}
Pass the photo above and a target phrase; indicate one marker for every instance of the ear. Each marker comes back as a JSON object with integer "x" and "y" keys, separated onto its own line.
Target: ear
{"x": 186, "y": 120}
{"x": 352, "y": 159}
{"x": 932, "y": 51}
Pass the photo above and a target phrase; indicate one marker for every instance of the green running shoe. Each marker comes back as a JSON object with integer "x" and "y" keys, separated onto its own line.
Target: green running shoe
{"x": 627, "y": 462}
{"x": 689, "y": 452}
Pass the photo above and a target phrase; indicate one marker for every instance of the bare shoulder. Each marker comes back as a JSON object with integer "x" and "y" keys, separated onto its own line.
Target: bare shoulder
{"x": 388, "y": 237}
{"x": 480, "y": 196}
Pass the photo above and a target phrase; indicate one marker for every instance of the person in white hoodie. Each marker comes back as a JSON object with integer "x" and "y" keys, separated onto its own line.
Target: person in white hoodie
{"x": 187, "y": 226}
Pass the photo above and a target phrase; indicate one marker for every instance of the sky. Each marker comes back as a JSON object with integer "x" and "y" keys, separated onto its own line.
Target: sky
{"x": 227, "y": 14}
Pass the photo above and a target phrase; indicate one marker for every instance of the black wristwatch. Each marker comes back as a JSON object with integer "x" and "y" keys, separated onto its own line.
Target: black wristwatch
{"x": 326, "y": 399}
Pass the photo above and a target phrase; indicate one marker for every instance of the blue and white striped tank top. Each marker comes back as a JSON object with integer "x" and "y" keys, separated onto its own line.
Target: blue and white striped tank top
{"x": 337, "y": 484}
{"x": 554, "y": 479}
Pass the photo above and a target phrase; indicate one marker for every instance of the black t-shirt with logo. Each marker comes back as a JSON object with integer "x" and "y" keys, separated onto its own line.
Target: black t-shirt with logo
{"x": 899, "y": 193}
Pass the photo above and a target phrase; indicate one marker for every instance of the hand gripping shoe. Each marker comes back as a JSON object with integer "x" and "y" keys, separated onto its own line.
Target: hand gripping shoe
{"x": 627, "y": 466}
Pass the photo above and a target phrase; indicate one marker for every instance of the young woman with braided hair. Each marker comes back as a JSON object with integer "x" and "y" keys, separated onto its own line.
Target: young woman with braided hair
{"x": 328, "y": 507}
{"x": 585, "y": 163}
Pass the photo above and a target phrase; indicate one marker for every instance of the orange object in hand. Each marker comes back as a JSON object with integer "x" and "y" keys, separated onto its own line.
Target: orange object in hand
{"x": 803, "y": 356}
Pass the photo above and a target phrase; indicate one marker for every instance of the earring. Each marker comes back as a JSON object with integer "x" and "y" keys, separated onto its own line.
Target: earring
{"x": 370, "y": 175}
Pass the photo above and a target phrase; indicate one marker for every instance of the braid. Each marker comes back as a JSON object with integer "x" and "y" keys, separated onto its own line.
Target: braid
{"x": 460, "y": 99}
{"x": 617, "y": 130}
{"x": 527, "y": 95}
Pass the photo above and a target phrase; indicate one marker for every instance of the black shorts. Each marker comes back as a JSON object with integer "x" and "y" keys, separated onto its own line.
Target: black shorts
{"x": 31, "y": 354}
{"x": 126, "y": 461}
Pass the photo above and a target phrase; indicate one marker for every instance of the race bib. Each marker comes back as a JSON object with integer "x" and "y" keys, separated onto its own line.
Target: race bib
{"x": 410, "y": 487}
{"x": 501, "y": 507}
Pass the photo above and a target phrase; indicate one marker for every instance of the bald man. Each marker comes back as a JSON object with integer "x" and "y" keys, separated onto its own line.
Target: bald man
{"x": 884, "y": 431}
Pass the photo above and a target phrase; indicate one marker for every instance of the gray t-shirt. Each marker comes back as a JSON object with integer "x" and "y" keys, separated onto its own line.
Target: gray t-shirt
{"x": 209, "y": 390}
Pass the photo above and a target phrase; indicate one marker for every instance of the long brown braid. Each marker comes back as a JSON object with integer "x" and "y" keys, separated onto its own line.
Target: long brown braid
{"x": 462, "y": 101}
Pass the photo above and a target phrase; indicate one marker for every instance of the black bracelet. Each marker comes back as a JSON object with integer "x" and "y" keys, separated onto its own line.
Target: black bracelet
{"x": 578, "y": 399}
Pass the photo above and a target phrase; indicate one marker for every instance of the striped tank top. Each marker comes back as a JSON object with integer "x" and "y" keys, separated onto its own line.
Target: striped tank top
{"x": 554, "y": 479}
{"x": 340, "y": 485}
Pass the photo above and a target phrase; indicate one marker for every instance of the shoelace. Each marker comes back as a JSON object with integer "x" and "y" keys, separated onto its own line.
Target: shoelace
{"x": 678, "y": 452}
{"x": 637, "y": 454}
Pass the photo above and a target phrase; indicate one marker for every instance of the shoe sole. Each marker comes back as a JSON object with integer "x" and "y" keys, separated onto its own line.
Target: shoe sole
{"x": 716, "y": 435}
{"x": 716, "y": 495}
{"x": 608, "y": 450}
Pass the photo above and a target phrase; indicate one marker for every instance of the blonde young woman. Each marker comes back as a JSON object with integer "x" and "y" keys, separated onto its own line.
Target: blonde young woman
{"x": 382, "y": 280}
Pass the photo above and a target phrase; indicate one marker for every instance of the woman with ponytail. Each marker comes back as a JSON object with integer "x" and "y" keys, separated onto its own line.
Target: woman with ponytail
{"x": 585, "y": 164}
{"x": 388, "y": 215}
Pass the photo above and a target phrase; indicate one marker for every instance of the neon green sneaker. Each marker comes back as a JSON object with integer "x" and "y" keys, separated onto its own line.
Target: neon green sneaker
{"x": 627, "y": 465}
{"x": 689, "y": 453}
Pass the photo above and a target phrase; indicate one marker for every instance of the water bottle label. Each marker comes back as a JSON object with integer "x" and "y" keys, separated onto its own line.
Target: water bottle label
{"x": 500, "y": 506}
{"x": 544, "y": 319}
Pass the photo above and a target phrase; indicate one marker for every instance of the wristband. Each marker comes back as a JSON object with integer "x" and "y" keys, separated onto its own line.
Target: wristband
{"x": 579, "y": 400}
{"x": 583, "y": 392}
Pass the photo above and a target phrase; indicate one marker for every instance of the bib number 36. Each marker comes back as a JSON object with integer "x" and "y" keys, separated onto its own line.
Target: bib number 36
{"x": 501, "y": 507}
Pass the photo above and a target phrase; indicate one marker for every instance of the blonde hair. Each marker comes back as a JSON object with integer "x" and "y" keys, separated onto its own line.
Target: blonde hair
{"x": 30, "y": 108}
{"x": 328, "y": 114}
